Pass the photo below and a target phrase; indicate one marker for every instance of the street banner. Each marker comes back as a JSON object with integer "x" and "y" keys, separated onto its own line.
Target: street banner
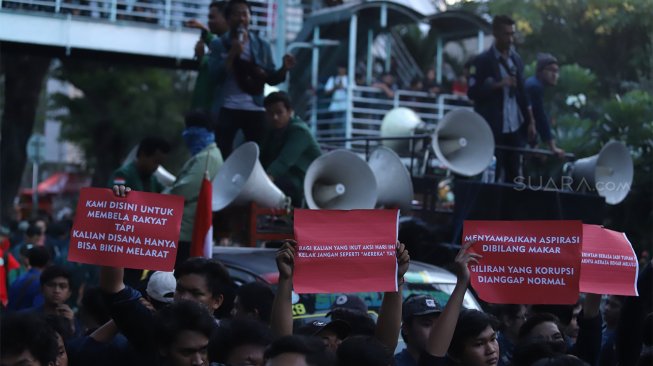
{"x": 526, "y": 262}
{"x": 345, "y": 251}
{"x": 140, "y": 231}
{"x": 609, "y": 265}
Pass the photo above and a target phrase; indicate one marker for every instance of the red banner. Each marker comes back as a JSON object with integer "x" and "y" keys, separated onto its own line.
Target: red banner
{"x": 139, "y": 231}
{"x": 526, "y": 262}
{"x": 345, "y": 251}
{"x": 609, "y": 265}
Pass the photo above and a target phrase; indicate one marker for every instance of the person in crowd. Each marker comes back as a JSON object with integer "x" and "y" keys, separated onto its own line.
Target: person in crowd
{"x": 34, "y": 236}
{"x": 363, "y": 351}
{"x": 511, "y": 317}
{"x": 64, "y": 333}
{"x": 611, "y": 313}
{"x": 331, "y": 333}
{"x": 389, "y": 320}
{"x": 387, "y": 85}
{"x": 430, "y": 83}
{"x": 288, "y": 148}
{"x": 214, "y": 28}
{"x": 632, "y": 335}
{"x": 240, "y": 341}
{"x": 139, "y": 174}
{"x": 205, "y": 159}
{"x": 26, "y": 339}
{"x": 298, "y": 351}
{"x": 531, "y": 350}
{"x": 546, "y": 75}
{"x": 496, "y": 87}
{"x": 25, "y": 292}
{"x": 567, "y": 318}
{"x": 419, "y": 313}
{"x": 253, "y": 300}
{"x": 336, "y": 88}
{"x": 8, "y": 265}
{"x": 240, "y": 63}
{"x": 182, "y": 332}
{"x": 160, "y": 289}
{"x": 474, "y": 341}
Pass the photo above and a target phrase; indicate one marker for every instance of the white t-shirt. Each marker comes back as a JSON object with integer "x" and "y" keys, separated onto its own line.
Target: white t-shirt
{"x": 339, "y": 96}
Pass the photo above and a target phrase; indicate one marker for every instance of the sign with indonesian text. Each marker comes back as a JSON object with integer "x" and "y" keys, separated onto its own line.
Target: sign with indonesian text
{"x": 526, "y": 262}
{"x": 140, "y": 231}
{"x": 345, "y": 251}
{"x": 609, "y": 265}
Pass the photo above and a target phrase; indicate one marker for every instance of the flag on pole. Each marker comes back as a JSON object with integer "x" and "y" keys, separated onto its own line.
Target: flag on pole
{"x": 202, "y": 239}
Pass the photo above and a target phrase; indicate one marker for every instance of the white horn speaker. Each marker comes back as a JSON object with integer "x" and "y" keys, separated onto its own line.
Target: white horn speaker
{"x": 463, "y": 142}
{"x": 610, "y": 172}
{"x": 399, "y": 122}
{"x": 162, "y": 174}
{"x": 340, "y": 180}
{"x": 241, "y": 180}
{"x": 393, "y": 181}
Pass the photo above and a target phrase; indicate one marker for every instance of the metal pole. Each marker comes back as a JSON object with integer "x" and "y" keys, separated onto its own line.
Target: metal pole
{"x": 167, "y": 17}
{"x": 114, "y": 10}
{"x": 35, "y": 190}
{"x": 351, "y": 75}
{"x": 388, "y": 52}
{"x": 438, "y": 61}
{"x": 315, "y": 66}
{"x": 370, "y": 65}
{"x": 280, "y": 43}
{"x": 57, "y": 6}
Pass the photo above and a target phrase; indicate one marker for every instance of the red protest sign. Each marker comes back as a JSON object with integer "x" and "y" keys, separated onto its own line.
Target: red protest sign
{"x": 609, "y": 265}
{"x": 526, "y": 262}
{"x": 139, "y": 231}
{"x": 345, "y": 251}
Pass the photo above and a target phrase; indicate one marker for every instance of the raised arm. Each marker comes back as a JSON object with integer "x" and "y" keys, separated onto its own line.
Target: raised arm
{"x": 443, "y": 328}
{"x": 111, "y": 278}
{"x": 281, "y": 317}
{"x": 388, "y": 325}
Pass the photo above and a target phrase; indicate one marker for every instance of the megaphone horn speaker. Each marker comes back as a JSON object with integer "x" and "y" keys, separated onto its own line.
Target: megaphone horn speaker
{"x": 463, "y": 142}
{"x": 400, "y": 122}
{"x": 241, "y": 180}
{"x": 610, "y": 172}
{"x": 340, "y": 180}
{"x": 393, "y": 181}
{"x": 162, "y": 174}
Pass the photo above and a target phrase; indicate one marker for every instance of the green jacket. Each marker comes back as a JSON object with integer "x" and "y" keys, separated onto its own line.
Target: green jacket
{"x": 204, "y": 88}
{"x": 189, "y": 181}
{"x": 287, "y": 153}
{"x": 128, "y": 176}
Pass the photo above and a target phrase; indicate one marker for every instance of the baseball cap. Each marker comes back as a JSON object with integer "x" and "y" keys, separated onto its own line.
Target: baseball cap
{"x": 420, "y": 305}
{"x": 349, "y": 302}
{"x": 161, "y": 286}
{"x": 339, "y": 327}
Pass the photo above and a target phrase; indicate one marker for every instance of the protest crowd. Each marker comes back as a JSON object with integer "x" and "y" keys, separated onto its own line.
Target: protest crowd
{"x": 56, "y": 311}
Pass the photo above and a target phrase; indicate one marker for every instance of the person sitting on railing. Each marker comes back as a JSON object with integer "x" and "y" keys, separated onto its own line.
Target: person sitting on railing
{"x": 288, "y": 148}
{"x": 336, "y": 88}
{"x": 387, "y": 85}
{"x": 430, "y": 84}
{"x": 240, "y": 64}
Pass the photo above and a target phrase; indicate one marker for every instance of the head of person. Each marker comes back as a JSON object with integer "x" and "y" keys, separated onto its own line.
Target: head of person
{"x": 543, "y": 327}
{"x": 416, "y": 83}
{"x": 238, "y": 14}
{"x": 503, "y": 29}
{"x": 298, "y": 351}
{"x": 217, "y": 22}
{"x": 160, "y": 288}
{"x": 182, "y": 332}
{"x": 560, "y": 360}
{"x": 34, "y": 234}
{"x": 612, "y": 311}
{"x": 197, "y": 134}
{"x": 511, "y": 317}
{"x": 419, "y": 312}
{"x": 64, "y": 331}
{"x": 474, "y": 342}
{"x": 55, "y": 285}
{"x": 567, "y": 317}
{"x": 530, "y": 350}
{"x": 278, "y": 110}
{"x": 37, "y": 256}
{"x": 342, "y": 70}
{"x": 332, "y": 333}
{"x": 388, "y": 79}
{"x": 352, "y": 310}
{"x": 27, "y": 340}
{"x": 202, "y": 280}
{"x": 93, "y": 311}
{"x": 150, "y": 154}
{"x": 240, "y": 342}
{"x": 547, "y": 68}
{"x": 430, "y": 73}
{"x": 253, "y": 300}
{"x": 363, "y": 351}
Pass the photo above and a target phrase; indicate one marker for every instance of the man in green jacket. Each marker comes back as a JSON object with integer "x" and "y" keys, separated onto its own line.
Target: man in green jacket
{"x": 139, "y": 174}
{"x": 288, "y": 147}
{"x": 205, "y": 157}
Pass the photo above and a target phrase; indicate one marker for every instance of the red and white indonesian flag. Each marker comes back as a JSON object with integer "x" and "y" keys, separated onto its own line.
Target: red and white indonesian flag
{"x": 202, "y": 239}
